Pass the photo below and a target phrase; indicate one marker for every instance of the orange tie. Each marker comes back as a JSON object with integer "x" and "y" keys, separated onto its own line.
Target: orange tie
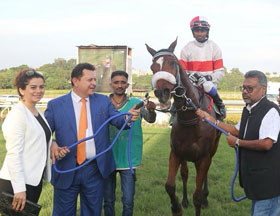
{"x": 81, "y": 148}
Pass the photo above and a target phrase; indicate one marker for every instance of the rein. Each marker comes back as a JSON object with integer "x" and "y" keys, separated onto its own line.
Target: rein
{"x": 107, "y": 149}
{"x": 164, "y": 110}
{"x": 236, "y": 159}
{"x": 180, "y": 92}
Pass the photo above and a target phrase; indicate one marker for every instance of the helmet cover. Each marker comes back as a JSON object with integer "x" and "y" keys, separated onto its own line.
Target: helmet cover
{"x": 199, "y": 22}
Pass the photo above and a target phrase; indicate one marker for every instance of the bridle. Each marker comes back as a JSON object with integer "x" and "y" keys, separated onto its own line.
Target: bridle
{"x": 179, "y": 91}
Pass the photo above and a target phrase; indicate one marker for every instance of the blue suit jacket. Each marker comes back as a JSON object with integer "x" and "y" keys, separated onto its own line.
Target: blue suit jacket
{"x": 61, "y": 118}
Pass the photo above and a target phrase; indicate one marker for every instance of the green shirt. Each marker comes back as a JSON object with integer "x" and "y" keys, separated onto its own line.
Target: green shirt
{"x": 120, "y": 147}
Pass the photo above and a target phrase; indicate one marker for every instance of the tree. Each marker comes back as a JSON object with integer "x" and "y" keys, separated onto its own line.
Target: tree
{"x": 7, "y": 76}
{"x": 231, "y": 81}
{"x": 58, "y": 74}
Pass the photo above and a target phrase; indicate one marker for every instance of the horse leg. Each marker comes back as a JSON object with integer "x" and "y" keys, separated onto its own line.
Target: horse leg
{"x": 170, "y": 186}
{"x": 184, "y": 175}
{"x": 201, "y": 173}
{"x": 205, "y": 193}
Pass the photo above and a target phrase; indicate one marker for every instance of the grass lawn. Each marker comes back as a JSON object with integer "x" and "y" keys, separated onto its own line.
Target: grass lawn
{"x": 151, "y": 198}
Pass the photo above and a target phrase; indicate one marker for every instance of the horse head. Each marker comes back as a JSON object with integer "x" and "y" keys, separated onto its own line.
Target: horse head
{"x": 169, "y": 76}
{"x": 165, "y": 70}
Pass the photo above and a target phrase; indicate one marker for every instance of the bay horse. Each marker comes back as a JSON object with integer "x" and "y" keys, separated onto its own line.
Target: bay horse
{"x": 191, "y": 139}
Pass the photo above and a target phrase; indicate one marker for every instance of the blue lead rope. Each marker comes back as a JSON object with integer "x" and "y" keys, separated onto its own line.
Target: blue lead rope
{"x": 234, "y": 177}
{"x": 189, "y": 101}
{"x": 236, "y": 164}
{"x": 107, "y": 149}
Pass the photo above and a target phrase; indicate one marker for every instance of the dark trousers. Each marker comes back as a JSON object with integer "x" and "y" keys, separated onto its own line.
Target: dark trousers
{"x": 128, "y": 191}
{"x": 32, "y": 192}
{"x": 89, "y": 183}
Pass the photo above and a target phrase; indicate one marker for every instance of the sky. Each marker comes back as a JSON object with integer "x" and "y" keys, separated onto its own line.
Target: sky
{"x": 35, "y": 32}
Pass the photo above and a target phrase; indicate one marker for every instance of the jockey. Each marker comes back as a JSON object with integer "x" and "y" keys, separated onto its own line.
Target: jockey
{"x": 202, "y": 60}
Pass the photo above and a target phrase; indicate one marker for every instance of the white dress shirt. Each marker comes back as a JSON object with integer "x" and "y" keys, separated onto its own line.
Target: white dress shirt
{"x": 90, "y": 144}
{"x": 270, "y": 125}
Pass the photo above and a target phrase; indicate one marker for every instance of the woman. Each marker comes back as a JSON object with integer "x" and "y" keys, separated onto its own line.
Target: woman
{"x": 28, "y": 139}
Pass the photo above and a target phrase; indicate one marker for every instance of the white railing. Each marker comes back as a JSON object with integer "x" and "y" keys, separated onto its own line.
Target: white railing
{"x": 233, "y": 107}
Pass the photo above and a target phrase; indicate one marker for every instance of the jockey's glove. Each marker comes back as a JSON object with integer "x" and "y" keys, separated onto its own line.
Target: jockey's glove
{"x": 203, "y": 79}
{"x": 194, "y": 77}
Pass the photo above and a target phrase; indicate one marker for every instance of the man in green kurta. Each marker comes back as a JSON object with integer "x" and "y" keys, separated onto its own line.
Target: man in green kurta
{"x": 119, "y": 84}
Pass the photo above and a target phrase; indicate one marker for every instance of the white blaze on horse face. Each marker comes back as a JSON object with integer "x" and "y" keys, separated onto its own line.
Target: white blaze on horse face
{"x": 163, "y": 75}
{"x": 160, "y": 62}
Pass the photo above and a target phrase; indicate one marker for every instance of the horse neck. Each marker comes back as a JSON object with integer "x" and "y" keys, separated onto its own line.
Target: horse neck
{"x": 185, "y": 117}
{"x": 192, "y": 92}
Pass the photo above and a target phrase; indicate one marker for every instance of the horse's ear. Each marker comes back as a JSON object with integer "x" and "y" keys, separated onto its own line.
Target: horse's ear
{"x": 151, "y": 50}
{"x": 172, "y": 46}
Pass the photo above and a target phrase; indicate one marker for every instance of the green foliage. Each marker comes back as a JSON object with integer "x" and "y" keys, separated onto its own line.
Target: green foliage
{"x": 274, "y": 79}
{"x": 54, "y": 83}
{"x": 58, "y": 74}
{"x": 7, "y": 76}
{"x": 231, "y": 81}
{"x": 142, "y": 82}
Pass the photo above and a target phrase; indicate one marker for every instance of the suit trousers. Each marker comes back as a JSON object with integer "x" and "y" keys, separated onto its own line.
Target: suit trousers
{"x": 88, "y": 183}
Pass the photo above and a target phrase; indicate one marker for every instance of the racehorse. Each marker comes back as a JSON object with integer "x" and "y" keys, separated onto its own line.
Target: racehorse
{"x": 191, "y": 139}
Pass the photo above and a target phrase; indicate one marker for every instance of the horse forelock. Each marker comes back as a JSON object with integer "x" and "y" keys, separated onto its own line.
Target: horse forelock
{"x": 163, "y": 52}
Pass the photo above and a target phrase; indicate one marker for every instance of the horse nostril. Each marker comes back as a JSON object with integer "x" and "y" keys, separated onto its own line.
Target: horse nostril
{"x": 166, "y": 91}
{"x": 157, "y": 93}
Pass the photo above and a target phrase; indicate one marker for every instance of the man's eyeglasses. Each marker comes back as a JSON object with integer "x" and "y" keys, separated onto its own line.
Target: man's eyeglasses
{"x": 249, "y": 89}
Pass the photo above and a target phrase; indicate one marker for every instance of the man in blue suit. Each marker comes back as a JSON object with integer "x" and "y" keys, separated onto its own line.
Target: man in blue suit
{"x": 63, "y": 116}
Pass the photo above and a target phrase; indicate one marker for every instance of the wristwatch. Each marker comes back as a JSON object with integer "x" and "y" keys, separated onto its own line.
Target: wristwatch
{"x": 236, "y": 143}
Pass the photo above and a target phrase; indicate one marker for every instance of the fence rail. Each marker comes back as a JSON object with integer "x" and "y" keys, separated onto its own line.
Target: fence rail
{"x": 233, "y": 107}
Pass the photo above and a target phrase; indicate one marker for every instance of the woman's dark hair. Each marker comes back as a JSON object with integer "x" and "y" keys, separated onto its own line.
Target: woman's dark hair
{"x": 23, "y": 77}
{"x": 77, "y": 72}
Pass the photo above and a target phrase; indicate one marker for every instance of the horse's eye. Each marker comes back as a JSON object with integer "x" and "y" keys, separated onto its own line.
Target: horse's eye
{"x": 172, "y": 63}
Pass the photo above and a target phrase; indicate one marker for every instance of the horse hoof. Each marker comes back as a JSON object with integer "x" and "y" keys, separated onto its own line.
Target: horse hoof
{"x": 185, "y": 203}
{"x": 204, "y": 204}
{"x": 177, "y": 211}
{"x": 177, "y": 214}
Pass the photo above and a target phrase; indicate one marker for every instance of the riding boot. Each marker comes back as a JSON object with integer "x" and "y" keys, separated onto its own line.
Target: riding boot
{"x": 221, "y": 106}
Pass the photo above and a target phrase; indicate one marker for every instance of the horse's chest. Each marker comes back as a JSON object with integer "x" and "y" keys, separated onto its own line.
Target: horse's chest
{"x": 189, "y": 146}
